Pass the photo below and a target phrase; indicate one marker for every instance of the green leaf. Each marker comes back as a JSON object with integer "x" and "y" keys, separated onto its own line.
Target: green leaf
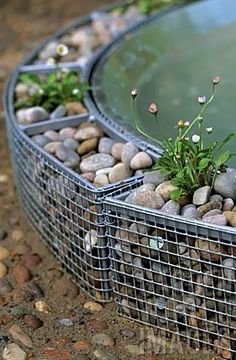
{"x": 204, "y": 163}
{"x": 222, "y": 159}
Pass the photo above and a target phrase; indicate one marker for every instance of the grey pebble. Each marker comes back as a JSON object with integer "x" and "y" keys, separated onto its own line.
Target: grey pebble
{"x": 212, "y": 213}
{"x": 149, "y": 199}
{"x": 190, "y": 212}
{"x": 201, "y": 195}
{"x": 228, "y": 204}
{"x": 41, "y": 140}
{"x": 225, "y": 185}
{"x": 105, "y": 145}
{"x": 128, "y": 152}
{"x": 229, "y": 268}
{"x": 71, "y": 143}
{"x": 154, "y": 177}
{"x": 171, "y": 207}
{"x": 216, "y": 197}
{"x": 216, "y": 219}
{"x": 32, "y": 115}
{"x": 58, "y": 113}
{"x": 103, "y": 339}
{"x": 68, "y": 156}
{"x": 96, "y": 162}
{"x": 66, "y": 322}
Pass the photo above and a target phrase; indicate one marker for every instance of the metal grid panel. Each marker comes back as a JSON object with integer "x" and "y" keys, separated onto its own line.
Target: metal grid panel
{"x": 64, "y": 208}
{"x": 177, "y": 276}
{"x": 66, "y": 214}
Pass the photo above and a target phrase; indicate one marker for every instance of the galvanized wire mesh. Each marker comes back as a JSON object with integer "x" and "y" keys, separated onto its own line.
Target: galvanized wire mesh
{"x": 176, "y": 275}
{"x": 65, "y": 209}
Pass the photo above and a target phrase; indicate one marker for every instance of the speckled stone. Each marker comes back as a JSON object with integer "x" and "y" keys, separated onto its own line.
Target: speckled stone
{"x": 190, "y": 212}
{"x": 119, "y": 172}
{"x": 201, "y": 195}
{"x": 216, "y": 197}
{"x": 145, "y": 187}
{"x": 203, "y": 209}
{"x": 149, "y": 199}
{"x": 68, "y": 132}
{"x": 96, "y": 162}
{"x": 216, "y": 219}
{"x": 171, "y": 207}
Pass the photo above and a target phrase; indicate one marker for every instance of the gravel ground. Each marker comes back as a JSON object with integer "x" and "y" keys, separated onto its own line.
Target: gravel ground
{"x": 41, "y": 311}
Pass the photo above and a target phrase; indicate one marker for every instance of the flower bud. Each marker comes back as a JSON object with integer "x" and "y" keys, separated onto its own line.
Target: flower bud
{"x": 62, "y": 50}
{"x": 153, "y": 109}
{"x": 134, "y": 93}
{"x": 216, "y": 80}
{"x": 201, "y": 99}
{"x": 209, "y": 130}
{"x": 180, "y": 124}
{"x": 186, "y": 123}
{"x": 195, "y": 139}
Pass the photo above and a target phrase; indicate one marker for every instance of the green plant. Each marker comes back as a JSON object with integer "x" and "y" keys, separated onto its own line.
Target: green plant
{"x": 186, "y": 160}
{"x": 52, "y": 90}
{"x": 147, "y": 7}
{"x": 56, "y": 88}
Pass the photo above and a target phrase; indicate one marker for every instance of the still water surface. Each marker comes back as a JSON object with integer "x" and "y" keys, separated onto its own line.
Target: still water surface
{"x": 171, "y": 61}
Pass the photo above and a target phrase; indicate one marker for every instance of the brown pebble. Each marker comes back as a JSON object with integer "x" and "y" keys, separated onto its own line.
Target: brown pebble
{"x": 83, "y": 346}
{"x": 231, "y": 217}
{"x": 17, "y": 235}
{"x": 21, "y": 249}
{"x": 6, "y": 319}
{"x": 18, "y": 334}
{"x": 65, "y": 287}
{"x": 61, "y": 341}
{"x": 33, "y": 321}
{"x": 4, "y": 253}
{"x": 31, "y": 260}
{"x": 21, "y": 274}
{"x": 57, "y": 354}
{"x": 3, "y": 270}
{"x": 93, "y": 306}
{"x": 27, "y": 292}
{"x": 95, "y": 325}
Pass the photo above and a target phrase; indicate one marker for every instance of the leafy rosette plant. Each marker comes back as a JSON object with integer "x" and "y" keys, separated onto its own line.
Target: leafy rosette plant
{"x": 186, "y": 160}
{"x": 56, "y": 88}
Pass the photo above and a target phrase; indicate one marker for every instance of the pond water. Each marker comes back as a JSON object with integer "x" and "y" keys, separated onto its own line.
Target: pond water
{"x": 171, "y": 61}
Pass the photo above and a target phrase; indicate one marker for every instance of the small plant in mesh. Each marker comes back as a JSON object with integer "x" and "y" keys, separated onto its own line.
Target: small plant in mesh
{"x": 148, "y": 7}
{"x": 54, "y": 89}
{"x": 187, "y": 160}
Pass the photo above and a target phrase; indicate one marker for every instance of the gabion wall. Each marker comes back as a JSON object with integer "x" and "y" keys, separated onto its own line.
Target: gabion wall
{"x": 177, "y": 275}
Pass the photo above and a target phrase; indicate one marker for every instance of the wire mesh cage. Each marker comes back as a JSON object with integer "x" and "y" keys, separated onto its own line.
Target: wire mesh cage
{"x": 64, "y": 208}
{"x": 176, "y": 275}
